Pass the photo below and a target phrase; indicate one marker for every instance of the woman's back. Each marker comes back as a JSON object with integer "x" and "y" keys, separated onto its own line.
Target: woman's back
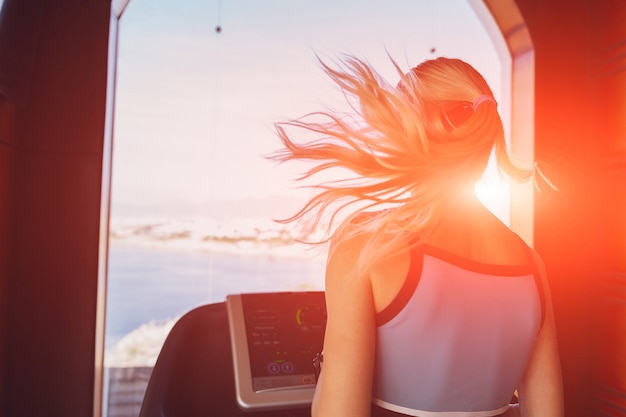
{"x": 458, "y": 334}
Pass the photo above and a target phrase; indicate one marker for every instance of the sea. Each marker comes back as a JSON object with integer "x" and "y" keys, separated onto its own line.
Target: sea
{"x": 159, "y": 270}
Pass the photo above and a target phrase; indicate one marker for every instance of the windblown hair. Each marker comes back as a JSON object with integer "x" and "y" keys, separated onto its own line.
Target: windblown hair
{"x": 406, "y": 145}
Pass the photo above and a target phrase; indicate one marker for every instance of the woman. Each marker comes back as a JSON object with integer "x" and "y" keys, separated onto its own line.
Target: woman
{"x": 435, "y": 307}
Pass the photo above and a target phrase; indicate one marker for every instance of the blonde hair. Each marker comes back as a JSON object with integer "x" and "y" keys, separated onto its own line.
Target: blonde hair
{"x": 401, "y": 146}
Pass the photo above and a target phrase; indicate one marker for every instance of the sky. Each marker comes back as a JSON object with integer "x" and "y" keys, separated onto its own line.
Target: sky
{"x": 195, "y": 108}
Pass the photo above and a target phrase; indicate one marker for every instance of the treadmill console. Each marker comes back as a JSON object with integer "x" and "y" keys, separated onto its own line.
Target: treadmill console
{"x": 274, "y": 338}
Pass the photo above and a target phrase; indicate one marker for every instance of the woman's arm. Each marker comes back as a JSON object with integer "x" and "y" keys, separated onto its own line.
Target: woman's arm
{"x": 541, "y": 391}
{"x": 345, "y": 386}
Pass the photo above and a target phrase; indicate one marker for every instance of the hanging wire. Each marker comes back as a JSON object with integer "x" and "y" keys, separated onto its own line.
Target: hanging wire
{"x": 218, "y": 28}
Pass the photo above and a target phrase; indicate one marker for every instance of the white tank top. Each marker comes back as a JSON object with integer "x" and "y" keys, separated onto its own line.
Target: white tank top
{"x": 457, "y": 344}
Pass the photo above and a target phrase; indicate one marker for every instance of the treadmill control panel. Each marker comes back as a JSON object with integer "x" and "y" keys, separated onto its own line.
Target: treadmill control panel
{"x": 284, "y": 331}
{"x": 275, "y": 337}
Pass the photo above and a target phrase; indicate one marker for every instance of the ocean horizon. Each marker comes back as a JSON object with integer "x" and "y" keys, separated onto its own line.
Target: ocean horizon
{"x": 158, "y": 271}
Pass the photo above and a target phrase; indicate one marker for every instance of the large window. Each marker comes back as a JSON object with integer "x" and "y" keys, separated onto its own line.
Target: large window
{"x": 192, "y": 196}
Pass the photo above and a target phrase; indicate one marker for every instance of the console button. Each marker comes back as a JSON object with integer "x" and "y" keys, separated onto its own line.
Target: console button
{"x": 287, "y": 367}
{"x": 273, "y": 368}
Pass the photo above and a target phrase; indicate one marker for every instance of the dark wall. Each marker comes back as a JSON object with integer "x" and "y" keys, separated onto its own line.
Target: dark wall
{"x": 580, "y": 52}
{"x": 50, "y": 180}
{"x": 7, "y": 162}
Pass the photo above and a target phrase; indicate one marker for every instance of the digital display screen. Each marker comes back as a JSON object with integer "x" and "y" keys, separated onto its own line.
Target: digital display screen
{"x": 284, "y": 333}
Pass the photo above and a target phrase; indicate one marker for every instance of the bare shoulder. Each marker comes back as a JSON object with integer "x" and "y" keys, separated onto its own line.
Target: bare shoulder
{"x": 384, "y": 278}
{"x": 347, "y": 246}
{"x": 345, "y": 252}
{"x": 481, "y": 237}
